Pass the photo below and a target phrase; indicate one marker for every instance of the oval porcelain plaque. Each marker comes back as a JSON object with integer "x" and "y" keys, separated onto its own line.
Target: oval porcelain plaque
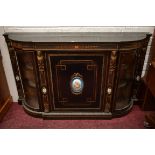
{"x": 77, "y": 85}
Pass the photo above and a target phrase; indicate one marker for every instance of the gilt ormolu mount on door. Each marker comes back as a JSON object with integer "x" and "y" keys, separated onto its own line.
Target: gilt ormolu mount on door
{"x": 77, "y": 75}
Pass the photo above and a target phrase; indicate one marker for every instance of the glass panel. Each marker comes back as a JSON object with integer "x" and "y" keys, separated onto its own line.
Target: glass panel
{"x": 26, "y": 65}
{"x": 125, "y": 79}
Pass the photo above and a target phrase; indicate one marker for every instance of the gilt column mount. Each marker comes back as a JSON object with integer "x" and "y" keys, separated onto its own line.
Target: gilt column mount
{"x": 43, "y": 82}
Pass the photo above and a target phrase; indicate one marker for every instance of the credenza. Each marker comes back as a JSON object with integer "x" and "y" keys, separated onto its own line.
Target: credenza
{"x": 87, "y": 75}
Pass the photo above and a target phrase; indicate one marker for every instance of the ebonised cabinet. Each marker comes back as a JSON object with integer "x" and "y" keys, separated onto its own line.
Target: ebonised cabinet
{"x": 77, "y": 75}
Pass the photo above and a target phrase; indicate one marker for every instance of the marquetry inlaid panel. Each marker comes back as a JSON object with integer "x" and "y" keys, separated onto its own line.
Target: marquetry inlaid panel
{"x": 88, "y": 70}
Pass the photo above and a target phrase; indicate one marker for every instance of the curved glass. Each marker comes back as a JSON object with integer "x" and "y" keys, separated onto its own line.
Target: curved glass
{"x": 125, "y": 79}
{"x": 27, "y": 71}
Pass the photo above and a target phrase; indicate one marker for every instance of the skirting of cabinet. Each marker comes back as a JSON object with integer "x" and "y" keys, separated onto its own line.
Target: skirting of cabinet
{"x": 78, "y": 115}
{"x": 6, "y": 105}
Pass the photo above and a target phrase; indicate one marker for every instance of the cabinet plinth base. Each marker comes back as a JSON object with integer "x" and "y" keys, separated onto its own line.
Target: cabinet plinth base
{"x": 78, "y": 115}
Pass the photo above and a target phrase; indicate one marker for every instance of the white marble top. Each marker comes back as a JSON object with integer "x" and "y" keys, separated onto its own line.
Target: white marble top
{"x": 77, "y": 36}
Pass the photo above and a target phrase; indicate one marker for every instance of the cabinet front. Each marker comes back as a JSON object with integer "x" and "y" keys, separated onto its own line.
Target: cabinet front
{"x": 77, "y": 81}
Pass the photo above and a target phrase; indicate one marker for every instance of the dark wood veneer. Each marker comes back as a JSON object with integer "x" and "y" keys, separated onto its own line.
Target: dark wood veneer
{"x": 109, "y": 67}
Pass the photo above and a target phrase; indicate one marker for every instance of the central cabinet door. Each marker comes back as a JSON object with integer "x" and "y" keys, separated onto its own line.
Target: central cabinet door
{"x": 77, "y": 81}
